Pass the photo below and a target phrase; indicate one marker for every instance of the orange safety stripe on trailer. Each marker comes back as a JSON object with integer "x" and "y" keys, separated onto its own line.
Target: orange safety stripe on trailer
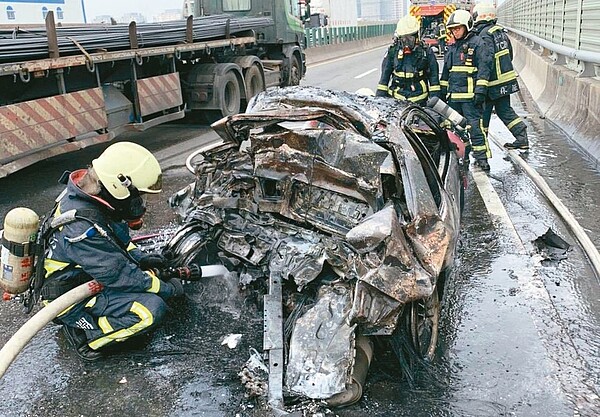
{"x": 43, "y": 122}
{"x": 38, "y": 129}
{"x": 159, "y": 93}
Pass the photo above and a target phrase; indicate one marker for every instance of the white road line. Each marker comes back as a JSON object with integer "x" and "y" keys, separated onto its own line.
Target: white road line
{"x": 569, "y": 366}
{"x": 364, "y": 74}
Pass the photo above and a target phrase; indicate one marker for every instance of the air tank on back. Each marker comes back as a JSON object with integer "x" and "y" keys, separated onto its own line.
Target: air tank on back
{"x": 17, "y": 249}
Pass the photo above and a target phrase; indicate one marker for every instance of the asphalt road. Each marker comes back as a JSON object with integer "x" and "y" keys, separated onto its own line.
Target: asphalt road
{"x": 520, "y": 336}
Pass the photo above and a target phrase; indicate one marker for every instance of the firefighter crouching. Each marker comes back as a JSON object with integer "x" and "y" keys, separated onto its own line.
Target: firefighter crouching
{"x": 503, "y": 79}
{"x": 465, "y": 78}
{"x": 100, "y": 205}
{"x": 410, "y": 64}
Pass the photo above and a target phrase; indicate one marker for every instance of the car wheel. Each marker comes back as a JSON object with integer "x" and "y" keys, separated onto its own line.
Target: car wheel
{"x": 423, "y": 324}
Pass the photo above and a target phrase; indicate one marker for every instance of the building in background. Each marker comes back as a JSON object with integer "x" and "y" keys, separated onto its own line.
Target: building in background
{"x": 188, "y": 7}
{"x": 168, "y": 15}
{"x": 381, "y": 10}
{"x": 103, "y": 18}
{"x": 16, "y": 12}
{"x": 132, "y": 17}
{"x": 338, "y": 12}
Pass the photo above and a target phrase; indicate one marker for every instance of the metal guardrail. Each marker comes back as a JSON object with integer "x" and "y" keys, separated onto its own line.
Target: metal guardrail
{"x": 322, "y": 36}
{"x": 586, "y": 63}
{"x": 566, "y": 31}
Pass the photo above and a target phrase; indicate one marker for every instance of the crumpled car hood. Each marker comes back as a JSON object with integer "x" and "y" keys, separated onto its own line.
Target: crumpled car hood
{"x": 319, "y": 189}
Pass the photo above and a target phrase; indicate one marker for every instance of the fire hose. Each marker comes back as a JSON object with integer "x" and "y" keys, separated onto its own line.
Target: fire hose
{"x": 17, "y": 342}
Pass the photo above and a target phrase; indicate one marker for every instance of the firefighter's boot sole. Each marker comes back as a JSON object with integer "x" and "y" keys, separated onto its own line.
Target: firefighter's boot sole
{"x": 78, "y": 340}
{"x": 517, "y": 145}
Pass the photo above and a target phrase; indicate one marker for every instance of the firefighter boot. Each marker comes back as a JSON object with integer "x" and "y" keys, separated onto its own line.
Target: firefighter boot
{"x": 483, "y": 164}
{"x": 78, "y": 340}
{"x": 521, "y": 141}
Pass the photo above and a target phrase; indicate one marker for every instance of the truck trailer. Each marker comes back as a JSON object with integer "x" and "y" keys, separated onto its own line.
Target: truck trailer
{"x": 66, "y": 88}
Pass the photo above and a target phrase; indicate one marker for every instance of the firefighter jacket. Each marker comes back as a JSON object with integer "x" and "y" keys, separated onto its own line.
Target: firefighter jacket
{"x": 467, "y": 68}
{"x": 413, "y": 73}
{"x": 93, "y": 246}
{"x": 503, "y": 79}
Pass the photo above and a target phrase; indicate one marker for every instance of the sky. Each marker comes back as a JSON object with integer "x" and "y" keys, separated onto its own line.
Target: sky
{"x": 118, "y": 8}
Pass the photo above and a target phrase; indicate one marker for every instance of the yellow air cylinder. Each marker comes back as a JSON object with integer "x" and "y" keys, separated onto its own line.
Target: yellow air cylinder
{"x": 18, "y": 249}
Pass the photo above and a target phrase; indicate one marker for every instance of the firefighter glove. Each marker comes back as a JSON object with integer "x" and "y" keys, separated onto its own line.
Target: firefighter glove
{"x": 381, "y": 93}
{"x": 176, "y": 286}
{"x": 153, "y": 261}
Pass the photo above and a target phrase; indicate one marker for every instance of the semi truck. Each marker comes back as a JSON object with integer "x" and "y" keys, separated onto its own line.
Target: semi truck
{"x": 89, "y": 84}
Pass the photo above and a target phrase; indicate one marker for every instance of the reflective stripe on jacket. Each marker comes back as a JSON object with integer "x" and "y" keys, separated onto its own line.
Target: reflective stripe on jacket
{"x": 98, "y": 248}
{"x": 503, "y": 79}
{"x": 467, "y": 68}
{"x": 413, "y": 75}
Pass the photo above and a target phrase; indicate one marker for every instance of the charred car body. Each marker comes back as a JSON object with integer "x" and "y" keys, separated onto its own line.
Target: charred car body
{"x": 345, "y": 210}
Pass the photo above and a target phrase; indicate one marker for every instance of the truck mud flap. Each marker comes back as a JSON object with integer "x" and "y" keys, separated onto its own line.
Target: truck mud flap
{"x": 159, "y": 93}
{"x": 34, "y": 130}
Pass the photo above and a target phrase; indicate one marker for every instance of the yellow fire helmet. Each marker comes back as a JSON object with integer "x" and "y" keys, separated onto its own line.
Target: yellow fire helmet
{"x": 484, "y": 11}
{"x": 460, "y": 18}
{"x": 408, "y": 25}
{"x": 132, "y": 161}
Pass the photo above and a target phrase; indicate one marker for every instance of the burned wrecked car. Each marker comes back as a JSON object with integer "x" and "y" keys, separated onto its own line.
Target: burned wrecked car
{"x": 344, "y": 211}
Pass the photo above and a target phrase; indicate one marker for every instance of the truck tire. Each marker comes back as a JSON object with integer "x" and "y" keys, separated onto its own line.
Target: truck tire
{"x": 230, "y": 100}
{"x": 254, "y": 82}
{"x": 295, "y": 71}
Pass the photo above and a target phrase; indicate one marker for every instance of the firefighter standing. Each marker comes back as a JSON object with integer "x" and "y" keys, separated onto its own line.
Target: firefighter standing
{"x": 464, "y": 80}
{"x": 410, "y": 64}
{"x": 503, "y": 80}
{"x": 99, "y": 206}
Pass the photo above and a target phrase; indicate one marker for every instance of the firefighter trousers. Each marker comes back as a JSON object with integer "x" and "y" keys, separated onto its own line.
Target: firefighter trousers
{"x": 113, "y": 316}
{"x": 473, "y": 114}
{"x": 505, "y": 112}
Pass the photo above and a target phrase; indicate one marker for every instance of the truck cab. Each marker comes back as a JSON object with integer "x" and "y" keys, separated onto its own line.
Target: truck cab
{"x": 286, "y": 15}
{"x": 280, "y": 47}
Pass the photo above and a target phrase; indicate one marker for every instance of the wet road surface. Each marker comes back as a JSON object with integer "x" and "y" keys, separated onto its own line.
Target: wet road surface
{"x": 519, "y": 337}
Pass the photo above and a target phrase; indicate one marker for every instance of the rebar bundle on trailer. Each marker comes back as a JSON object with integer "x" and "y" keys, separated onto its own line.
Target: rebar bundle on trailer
{"x": 23, "y": 45}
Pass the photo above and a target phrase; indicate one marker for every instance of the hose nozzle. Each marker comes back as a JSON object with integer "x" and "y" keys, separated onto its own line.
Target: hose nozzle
{"x": 191, "y": 272}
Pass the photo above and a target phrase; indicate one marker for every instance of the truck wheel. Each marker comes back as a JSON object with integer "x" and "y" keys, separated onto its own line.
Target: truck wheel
{"x": 230, "y": 95}
{"x": 254, "y": 82}
{"x": 295, "y": 71}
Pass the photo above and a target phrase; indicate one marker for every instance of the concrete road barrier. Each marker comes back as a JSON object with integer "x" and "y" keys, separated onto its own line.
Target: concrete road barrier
{"x": 563, "y": 97}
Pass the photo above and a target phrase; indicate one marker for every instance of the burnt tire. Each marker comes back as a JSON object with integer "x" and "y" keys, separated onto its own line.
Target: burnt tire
{"x": 423, "y": 321}
{"x": 254, "y": 82}
{"x": 230, "y": 95}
